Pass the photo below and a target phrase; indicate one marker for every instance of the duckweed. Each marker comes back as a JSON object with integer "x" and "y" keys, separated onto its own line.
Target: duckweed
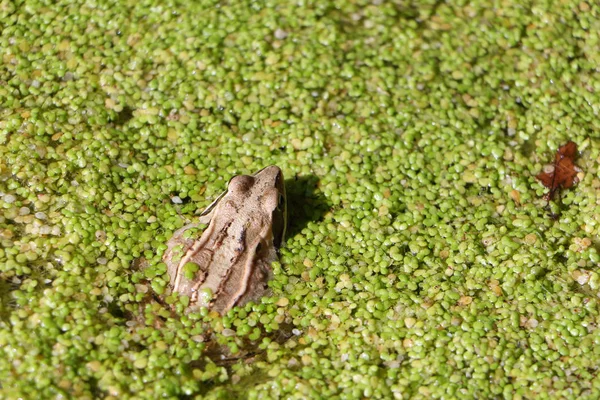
{"x": 420, "y": 261}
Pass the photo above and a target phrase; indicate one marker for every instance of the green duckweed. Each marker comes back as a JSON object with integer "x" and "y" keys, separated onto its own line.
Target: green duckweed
{"x": 420, "y": 261}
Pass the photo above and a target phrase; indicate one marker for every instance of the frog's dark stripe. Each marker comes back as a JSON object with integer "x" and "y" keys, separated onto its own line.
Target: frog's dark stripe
{"x": 249, "y": 267}
{"x": 239, "y": 252}
{"x": 222, "y": 235}
{"x": 242, "y": 241}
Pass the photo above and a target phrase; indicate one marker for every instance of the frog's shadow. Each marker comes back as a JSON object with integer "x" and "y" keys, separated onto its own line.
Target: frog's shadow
{"x": 305, "y": 203}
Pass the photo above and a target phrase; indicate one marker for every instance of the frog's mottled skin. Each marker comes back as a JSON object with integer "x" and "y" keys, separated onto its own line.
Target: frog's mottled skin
{"x": 246, "y": 226}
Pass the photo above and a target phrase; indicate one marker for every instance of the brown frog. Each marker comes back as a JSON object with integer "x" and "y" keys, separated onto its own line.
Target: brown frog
{"x": 229, "y": 263}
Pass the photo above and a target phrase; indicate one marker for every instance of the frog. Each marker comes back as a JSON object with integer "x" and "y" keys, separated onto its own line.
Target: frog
{"x": 228, "y": 263}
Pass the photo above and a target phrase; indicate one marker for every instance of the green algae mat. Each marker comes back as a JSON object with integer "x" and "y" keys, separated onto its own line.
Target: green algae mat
{"x": 422, "y": 259}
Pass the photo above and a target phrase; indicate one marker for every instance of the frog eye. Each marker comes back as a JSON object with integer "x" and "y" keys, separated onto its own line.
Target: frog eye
{"x": 270, "y": 200}
{"x": 281, "y": 203}
{"x": 240, "y": 183}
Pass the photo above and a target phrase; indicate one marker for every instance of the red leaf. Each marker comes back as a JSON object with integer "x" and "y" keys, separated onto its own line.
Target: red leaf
{"x": 564, "y": 175}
